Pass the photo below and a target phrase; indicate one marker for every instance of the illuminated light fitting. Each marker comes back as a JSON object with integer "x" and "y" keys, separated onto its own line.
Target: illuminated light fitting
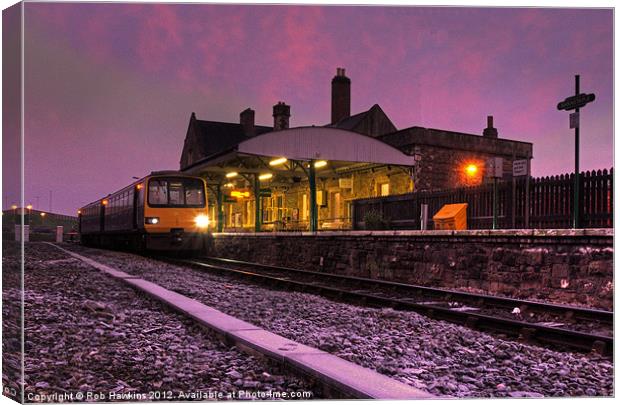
{"x": 471, "y": 169}
{"x": 104, "y": 202}
{"x": 139, "y": 186}
{"x": 201, "y": 221}
{"x": 240, "y": 194}
{"x": 79, "y": 212}
{"x": 42, "y": 214}
{"x": 265, "y": 176}
{"x": 278, "y": 161}
{"x": 320, "y": 163}
{"x": 29, "y": 206}
{"x": 229, "y": 185}
{"x": 231, "y": 175}
{"x": 14, "y": 206}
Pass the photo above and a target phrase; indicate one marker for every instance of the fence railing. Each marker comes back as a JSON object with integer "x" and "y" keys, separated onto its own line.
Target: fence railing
{"x": 550, "y": 203}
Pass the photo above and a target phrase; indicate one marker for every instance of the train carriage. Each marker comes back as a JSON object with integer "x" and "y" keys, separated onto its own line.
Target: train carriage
{"x": 162, "y": 211}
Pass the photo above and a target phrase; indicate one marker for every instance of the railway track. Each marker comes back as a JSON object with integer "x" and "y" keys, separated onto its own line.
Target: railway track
{"x": 561, "y": 326}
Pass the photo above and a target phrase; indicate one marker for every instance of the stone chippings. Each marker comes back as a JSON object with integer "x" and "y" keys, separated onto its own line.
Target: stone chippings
{"x": 86, "y": 332}
{"x": 11, "y": 324}
{"x": 439, "y": 357}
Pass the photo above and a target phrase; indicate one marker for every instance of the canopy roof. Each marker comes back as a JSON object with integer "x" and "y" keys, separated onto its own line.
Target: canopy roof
{"x": 307, "y": 143}
{"x": 344, "y": 151}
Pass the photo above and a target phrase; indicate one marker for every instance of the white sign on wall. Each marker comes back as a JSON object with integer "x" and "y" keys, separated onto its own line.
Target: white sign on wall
{"x": 519, "y": 167}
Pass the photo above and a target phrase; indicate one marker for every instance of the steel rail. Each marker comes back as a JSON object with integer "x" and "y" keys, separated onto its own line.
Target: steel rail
{"x": 569, "y": 311}
{"x": 529, "y": 332}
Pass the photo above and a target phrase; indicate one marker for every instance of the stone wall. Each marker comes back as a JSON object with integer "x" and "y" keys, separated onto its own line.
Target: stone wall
{"x": 558, "y": 265}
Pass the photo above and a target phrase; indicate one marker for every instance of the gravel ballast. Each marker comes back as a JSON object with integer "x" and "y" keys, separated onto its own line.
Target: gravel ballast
{"x": 439, "y": 357}
{"x": 93, "y": 337}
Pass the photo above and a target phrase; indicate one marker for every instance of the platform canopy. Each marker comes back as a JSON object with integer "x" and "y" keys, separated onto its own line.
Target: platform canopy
{"x": 288, "y": 156}
{"x": 341, "y": 149}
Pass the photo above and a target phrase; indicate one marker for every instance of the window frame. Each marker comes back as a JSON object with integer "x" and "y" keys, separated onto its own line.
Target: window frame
{"x": 181, "y": 179}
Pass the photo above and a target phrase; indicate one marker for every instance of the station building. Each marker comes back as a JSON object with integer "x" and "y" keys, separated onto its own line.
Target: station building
{"x": 305, "y": 178}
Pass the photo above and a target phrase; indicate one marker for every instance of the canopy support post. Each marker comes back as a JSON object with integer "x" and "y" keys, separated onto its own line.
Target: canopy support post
{"x": 257, "y": 216}
{"x": 314, "y": 220}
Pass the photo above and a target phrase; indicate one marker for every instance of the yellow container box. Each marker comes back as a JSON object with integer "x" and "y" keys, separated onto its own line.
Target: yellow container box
{"x": 451, "y": 217}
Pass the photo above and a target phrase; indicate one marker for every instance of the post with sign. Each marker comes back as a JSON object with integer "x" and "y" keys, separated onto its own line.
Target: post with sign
{"x": 495, "y": 168}
{"x": 574, "y": 103}
{"x": 520, "y": 168}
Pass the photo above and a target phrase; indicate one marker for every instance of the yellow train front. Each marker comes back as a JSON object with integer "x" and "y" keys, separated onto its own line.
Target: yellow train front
{"x": 162, "y": 211}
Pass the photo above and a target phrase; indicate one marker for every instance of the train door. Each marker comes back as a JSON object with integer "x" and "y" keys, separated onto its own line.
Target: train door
{"x": 138, "y": 206}
{"x": 134, "y": 205}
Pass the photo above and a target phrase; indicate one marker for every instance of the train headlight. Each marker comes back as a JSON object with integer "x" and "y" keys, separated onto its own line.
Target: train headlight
{"x": 151, "y": 220}
{"x": 202, "y": 221}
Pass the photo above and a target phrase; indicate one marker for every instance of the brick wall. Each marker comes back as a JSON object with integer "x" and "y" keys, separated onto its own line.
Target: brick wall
{"x": 558, "y": 265}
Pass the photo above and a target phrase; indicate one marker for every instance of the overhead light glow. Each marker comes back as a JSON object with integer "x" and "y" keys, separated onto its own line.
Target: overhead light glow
{"x": 29, "y": 206}
{"x": 278, "y": 161}
{"x": 240, "y": 194}
{"x": 42, "y": 214}
{"x": 230, "y": 175}
{"x": 14, "y": 206}
{"x": 104, "y": 202}
{"x": 229, "y": 185}
{"x": 265, "y": 176}
{"x": 320, "y": 163}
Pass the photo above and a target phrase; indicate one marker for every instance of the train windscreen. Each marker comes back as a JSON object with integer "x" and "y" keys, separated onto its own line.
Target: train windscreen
{"x": 176, "y": 192}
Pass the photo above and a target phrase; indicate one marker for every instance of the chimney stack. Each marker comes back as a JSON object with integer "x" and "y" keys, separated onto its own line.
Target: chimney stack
{"x": 246, "y": 119}
{"x": 281, "y": 114}
{"x": 489, "y": 131}
{"x": 341, "y": 96}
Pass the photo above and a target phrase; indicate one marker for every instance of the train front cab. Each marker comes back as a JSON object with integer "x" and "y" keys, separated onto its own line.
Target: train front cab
{"x": 174, "y": 213}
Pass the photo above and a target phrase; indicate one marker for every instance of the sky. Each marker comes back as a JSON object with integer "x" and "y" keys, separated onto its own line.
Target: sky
{"x": 109, "y": 88}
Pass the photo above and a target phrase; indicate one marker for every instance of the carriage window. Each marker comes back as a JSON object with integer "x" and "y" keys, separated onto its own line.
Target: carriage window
{"x": 194, "y": 196}
{"x": 158, "y": 192}
{"x": 176, "y": 193}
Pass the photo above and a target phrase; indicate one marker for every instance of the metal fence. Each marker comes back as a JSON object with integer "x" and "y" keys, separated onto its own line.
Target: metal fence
{"x": 550, "y": 204}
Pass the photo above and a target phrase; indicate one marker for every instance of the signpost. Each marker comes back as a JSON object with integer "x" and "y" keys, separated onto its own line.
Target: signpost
{"x": 574, "y": 103}
{"x": 495, "y": 169}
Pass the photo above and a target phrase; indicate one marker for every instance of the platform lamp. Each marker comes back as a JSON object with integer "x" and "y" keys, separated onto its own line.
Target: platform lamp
{"x": 14, "y": 208}
{"x": 29, "y": 207}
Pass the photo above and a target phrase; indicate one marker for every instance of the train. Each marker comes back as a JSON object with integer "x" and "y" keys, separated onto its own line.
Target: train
{"x": 164, "y": 211}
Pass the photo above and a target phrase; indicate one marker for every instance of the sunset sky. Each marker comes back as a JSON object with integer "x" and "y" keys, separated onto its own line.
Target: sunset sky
{"x": 109, "y": 88}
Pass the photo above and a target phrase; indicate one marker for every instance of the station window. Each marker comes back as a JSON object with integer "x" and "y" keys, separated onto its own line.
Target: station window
{"x": 273, "y": 208}
{"x": 384, "y": 189}
{"x": 249, "y": 213}
{"x": 304, "y": 207}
